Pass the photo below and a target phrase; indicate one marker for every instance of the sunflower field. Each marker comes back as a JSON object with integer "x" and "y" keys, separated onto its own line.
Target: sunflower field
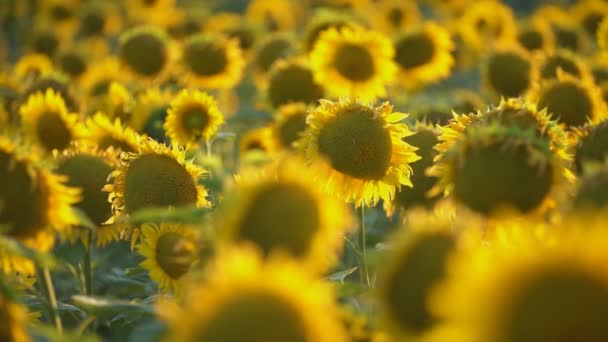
{"x": 304, "y": 170}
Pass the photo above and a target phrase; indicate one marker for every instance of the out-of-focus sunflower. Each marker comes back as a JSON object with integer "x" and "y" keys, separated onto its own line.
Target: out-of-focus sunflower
{"x": 592, "y": 191}
{"x": 360, "y": 149}
{"x": 144, "y": 51}
{"x": 323, "y": 20}
{"x": 47, "y": 123}
{"x": 32, "y": 66}
{"x": 449, "y": 8}
{"x": 353, "y": 62}
{"x": 496, "y": 169}
{"x": 45, "y": 41}
{"x": 390, "y": 16}
{"x": 273, "y": 16}
{"x": 116, "y": 103}
{"x": 292, "y": 80}
{"x": 153, "y": 12}
{"x": 564, "y": 60}
{"x": 99, "y": 20}
{"x": 256, "y": 145}
{"x": 156, "y": 176}
{"x": 602, "y": 35}
{"x": 246, "y": 299}
{"x": 56, "y": 82}
{"x": 96, "y": 82}
{"x": 170, "y": 250}
{"x": 530, "y": 290}
{"x": 486, "y": 23}
{"x": 235, "y": 26}
{"x": 423, "y": 54}
{"x": 290, "y": 124}
{"x": 61, "y": 15}
{"x": 509, "y": 71}
{"x": 73, "y": 63}
{"x": 592, "y": 144}
{"x": 425, "y": 137}
{"x": 268, "y": 50}
{"x": 86, "y": 168}
{"x": 281, "y": 209}
{"x": 9, "y": 94}
{"x": 105, "y": 133}
{"x": 212, "y": 61}
{"x": 193, "y": 115}
{"x": 35, "y": 205}
{"x": 14, "y": 317}
{"x": 536, "y": 36}
{"x": 570, "y": 100}
{"x": 568, "y": 34}
{"x": 150, "y": 112}
{"x": 589, "y": 14}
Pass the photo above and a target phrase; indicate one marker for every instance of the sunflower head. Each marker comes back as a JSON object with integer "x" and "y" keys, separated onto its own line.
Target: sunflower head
{"x": 589, "y": 15}
{"x": 280, "y": 209}
{"x": 170, "y": 251}
{"x": 56, "y": 82}
{"x": 99, "y": 76}
{"x": 536, "y": 36}
{"x": 192, "y": 115}
{"x": 45, "y": 42}
{"x": 144, "y": 51}
{"x": 361, "y": 150}
{"x": 256, "y": 143}
{"x": 485, "y": 23}
{"x": 273, "y": 16}
{"x": 107, "y": 134}
{"x": 393, "y": 15}
{"x": 323, "y": 20}
{"x": 270, "y": 49}
{"x": 73, "y": 63}
{"x": 235, "y": 26}
{"x": 290, "y": 124}
{"x": 353, "y": 62}
{"x": 564, "y": 60}
{"x": 212, "y": 61}
{"x": 592, "y": 191}
{"x": 33, "y": 66}
{"x": 592, "y": 145}
{"x": 292, "y": 80}
{"x": 509, "y": 71}
{"x": 14, "y": 317}
{"x": 244, "y": 298}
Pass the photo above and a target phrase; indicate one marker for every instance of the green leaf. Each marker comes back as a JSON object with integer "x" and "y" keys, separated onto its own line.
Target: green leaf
{"x": 49, "y": 333}
{"x": 340, "y": 276}
{"x": 351, "y": 289}
{"x": 99, "y": 306}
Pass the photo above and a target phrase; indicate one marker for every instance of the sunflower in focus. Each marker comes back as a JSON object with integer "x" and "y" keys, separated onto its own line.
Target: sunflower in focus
{"x": 104, "y": 133}
{"x": 156, "y": 176}
{"x": 592, "y": 144}
{"x": 246, "y": 299}
{"x": 14, "y": 317}
{"x": 144, "y": 52}
{"x": 47, "y": 123}
{"x": 280, "y": 209}
{"x": 267, "y": 51}
{"x": 193, "y": 115}
{"x": 353, "y": 62}
{"x": 36, "y": 204}
{"x": 360, "y": 149}
{"x": 212, "y": 61}
{"x": 509, "y": 71}
{"x": 571, "y": 100}
{"x": 290, "y": 124}
{"x": 530, "y": 291}
{"x": 273, "y": 16}
{"x": 423, "y": 55}
{"x": 33, "y": 66}
{"x": 564, "y": 60}
{"x": 170, "y": 251}
{"x": 292, "y": 80}
{"x": 486, "y": 23}
{"x": 393, "y": 15}
{"x": 87, "y": 168}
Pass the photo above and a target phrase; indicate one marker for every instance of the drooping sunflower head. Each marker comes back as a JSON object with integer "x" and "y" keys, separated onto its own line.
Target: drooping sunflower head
{"x": 323, "y": 20}
{"x": 14, "y": 317}
{"x": 47, "y": 123}
{"x": 270, "y": 49}
{"x": 522, "y": 289}
{"x": 105, "y": 134}
{"x": 280, "y": 209}
{"x": 485, "y": 23}
{"x": 193, "y": 115}
{"x": 144, "y": 51}
{"x": 246, "y": 299}
{"x": 290, "y": 81}
{"x": 564, "y": 60}
{"x": 170, "y": 251}
{"x": 423, "y": 54}
{"x": 156, "y": 176}
{"x": 35, "y": 205}
{"x": 509, "y": 71}
{"x": 273, "y": 16}
{"x": 290, "y": 124}
{"x": 536, "y": 36}
{"x": 592, "y": 145}
{"x": 361, "y": 150}
{"x": 33, "y": 66}
{"x": 570, "y": 100}
{"x": 86, "y": 168}
{"x": 212, "y": 61}
{"x": 393, "y": 15}
{"x": 353, "y": 62}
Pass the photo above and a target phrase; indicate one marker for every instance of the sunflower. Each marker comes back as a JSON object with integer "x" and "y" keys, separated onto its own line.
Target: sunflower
{"x": 509, "y": 71}
{"x": 564, "y": 60}
{"x": 144, "y": 52}
{"x": 568, "y": 34}
{"x": 235, "y": 26}
{"x": 45, "y": 41}
{"x": 353, "y": 62}
{"x": 589, "y": 14}
{"x": 496, "y": 169}
{"x": 360, "y": 149}
{"x": 87, "y": 169}
{"x": 61, "y": 15}
{"x": 73, "y": 63}
{"x": 14, "y": 317}
{"x": 154, "y": 12}
{"x": 393, "y": 15}
{"x": 256, "y": 144}
{"x": 592, "y": 189}
{"x": 170, "y": 251}
{"x": 32, "y": 66}
{"x": 602, "y": 35}
{"x": 290, "y": 81}
{"x": 273, "y": 16}
{"x": 281, "y": 209}
{"x": 99, "y": 20}
{"x": 425, "y": 138}
{"x": 117, "y": 103}
{"x": 47, "y": 123}
{"x": 289, "y": 124}
{"x": 246, "y": 299}
{"x": 268, "y": 50}
{"x": 107, "y": 134}
{"x": 323, "y": 20}
{"x": 56, "y": 82}
{"x": 150, "y": 112}
{"x": 536, "y": 36}
{"x": 156, "y": 176}
{"x": 486, "y": 23}
{"x": 35, "y": 205}
{"x": 193, "y": 115}
{"x": 423, "y": 54}
{"x": 531, "y": 291}
{"x": 592, "y": 144}
{"x": 96, "y": 82}
{"x": 572, "y": 101}
{"x": 212, "y": 61}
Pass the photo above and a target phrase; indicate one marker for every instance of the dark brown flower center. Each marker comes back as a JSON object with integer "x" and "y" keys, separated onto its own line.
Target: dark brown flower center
{"x": 354, "y": 62}
{"x": 414, "y": 50}
{"x": 53, "y": 133}
{"x": 205, "y": 58}
{"x": 568, "y": 102}
{"x": 144, "y": 53}
{"x": 509, "y": 74}
{"x": 175, "y": 254}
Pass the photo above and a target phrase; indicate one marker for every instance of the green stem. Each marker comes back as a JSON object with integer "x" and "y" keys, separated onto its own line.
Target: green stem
{"x": 88, "y": 278}
{"x": 52, "y": 298}
{"x": 363, "y": 271}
